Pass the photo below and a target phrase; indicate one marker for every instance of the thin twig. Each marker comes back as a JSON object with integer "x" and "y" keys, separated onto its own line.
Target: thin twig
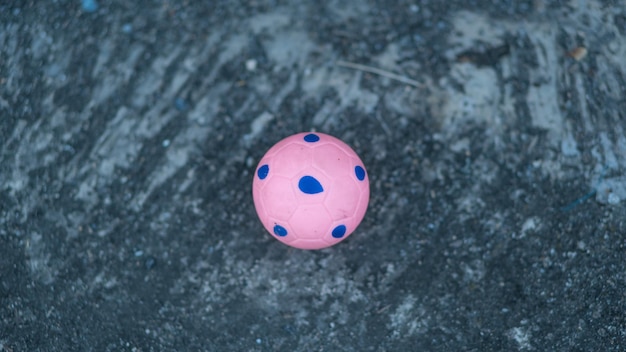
{"x": 380, "y": 72}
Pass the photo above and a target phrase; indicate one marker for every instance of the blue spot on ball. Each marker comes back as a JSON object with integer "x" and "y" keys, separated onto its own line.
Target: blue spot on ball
{"x": 280, "y": 231}
{"x": 263, "y": 171}
{"x": 311, "y": 138}
{"x": 309, "y": 185}
{"x": 360, "y": 173}
{"x": 339, "y": 231}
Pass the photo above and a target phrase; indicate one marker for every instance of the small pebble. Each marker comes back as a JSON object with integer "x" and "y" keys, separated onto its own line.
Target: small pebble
{"x": 613, "y": 199}
{"x": 251, "y": 65}
{"x": 578, "y": 53}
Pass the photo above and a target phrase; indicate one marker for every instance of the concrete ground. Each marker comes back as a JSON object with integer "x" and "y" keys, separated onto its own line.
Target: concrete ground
{"x": 494, "y": 133}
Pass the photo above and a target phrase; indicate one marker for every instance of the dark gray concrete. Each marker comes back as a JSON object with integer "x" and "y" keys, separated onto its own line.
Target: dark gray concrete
{"x": 129, "y": 132}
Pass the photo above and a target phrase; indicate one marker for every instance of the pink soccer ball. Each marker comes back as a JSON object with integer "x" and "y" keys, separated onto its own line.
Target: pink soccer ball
{"x": 310, "y": 190}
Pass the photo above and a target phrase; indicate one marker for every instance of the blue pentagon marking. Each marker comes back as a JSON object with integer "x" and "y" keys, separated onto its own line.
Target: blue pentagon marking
{"x": 311, "y": 138}
{"x": 360, "y": 173}
{"x": 263, "y": 171}
{"x": 339, "y": 231}
{"x": 280, "y": 231}
{"x": 309, "y": 185}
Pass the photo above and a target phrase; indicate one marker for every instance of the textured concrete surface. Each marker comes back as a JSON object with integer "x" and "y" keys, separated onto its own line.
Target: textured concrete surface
{"x": 129, "y": 132}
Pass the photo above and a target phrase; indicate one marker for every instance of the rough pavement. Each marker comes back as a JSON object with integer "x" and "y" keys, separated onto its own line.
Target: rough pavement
{"x": 129, "y": 133}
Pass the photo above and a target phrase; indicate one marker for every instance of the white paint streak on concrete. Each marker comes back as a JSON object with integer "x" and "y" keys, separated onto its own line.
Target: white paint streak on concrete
{"x": 346, "y": 83}
{"x": 521, "y": 336}
{"x": 107, "y": 47}
{"x": 269, "y": 21}
{"x": 257, "y": 126}
{"x": 408, "y": 319}
{"x": 152, "y": 80}
{"x": 117, "y": 145}
{"x": 110, "y": 82}
{"x": 482, "y": 101}
{"x": 610, "y": 160}
{"x": 34, "y": 147}
{"x": 543, "y": 97}
{"x": 472, "y": 28}
{"x": 289, "y": 47}
{"x": 277, "y": 99}
{"x": 184, "y": 145}
{"x": 478, "y": 102}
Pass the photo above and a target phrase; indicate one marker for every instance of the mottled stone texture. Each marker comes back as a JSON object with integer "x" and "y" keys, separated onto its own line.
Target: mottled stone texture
{"x": 130, "y": 130}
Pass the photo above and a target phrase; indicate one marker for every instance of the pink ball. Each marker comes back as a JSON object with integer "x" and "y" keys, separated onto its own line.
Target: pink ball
{"x": 310, "y": 190}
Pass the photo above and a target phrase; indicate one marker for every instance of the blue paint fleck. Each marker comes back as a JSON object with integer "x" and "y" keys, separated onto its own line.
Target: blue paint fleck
{"x": 263, "y": 171}
{"x": 150, "y": 262}
{"x": 127, "y": 28}
{"x": 360, "y": 173}
{"x": 311, "y": 138}
{"x": 280, "y": 231}
{"x": 90, "y": 5}
{"x": 339, "y": 231}
{"x": 310, "y": 185}
{"x": 180, "y": 104}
